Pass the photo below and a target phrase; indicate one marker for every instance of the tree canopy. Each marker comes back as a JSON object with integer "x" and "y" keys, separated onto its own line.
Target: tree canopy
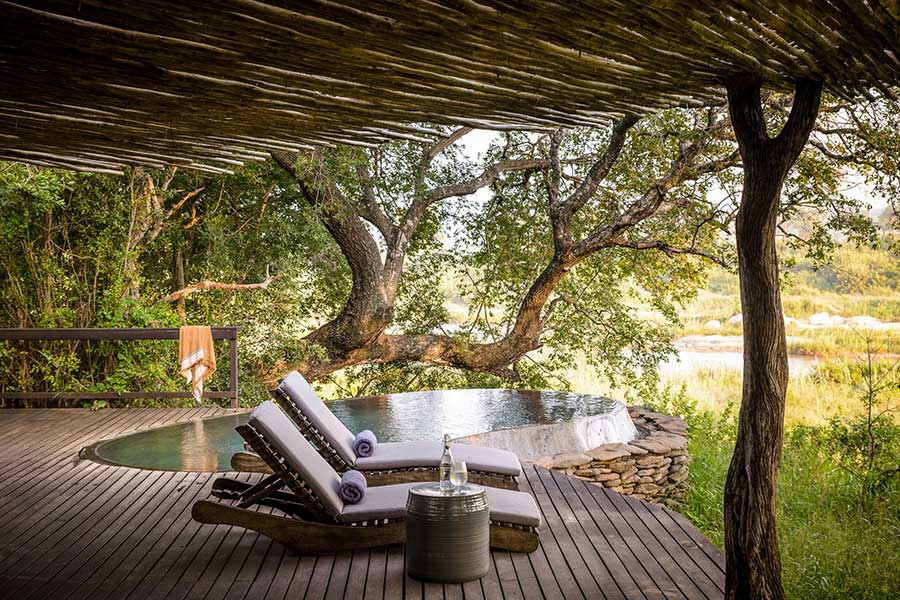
{"x": 418, "y": 264}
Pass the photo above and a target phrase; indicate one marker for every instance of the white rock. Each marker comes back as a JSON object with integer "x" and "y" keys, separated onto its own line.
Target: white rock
{"x": 862, "y": 322}
{"x": 713, "y": 324}
{"x": 821, "y": 319}
{"x": 736, "y": 319}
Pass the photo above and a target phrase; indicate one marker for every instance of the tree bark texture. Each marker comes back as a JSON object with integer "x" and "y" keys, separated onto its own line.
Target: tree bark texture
{"x": 751, "y": 542}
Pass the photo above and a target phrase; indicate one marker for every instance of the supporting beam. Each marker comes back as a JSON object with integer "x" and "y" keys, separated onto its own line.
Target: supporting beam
{"x": 751, "y": 543}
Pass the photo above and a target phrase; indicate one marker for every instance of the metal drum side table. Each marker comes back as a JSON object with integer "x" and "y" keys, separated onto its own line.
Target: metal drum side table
{"x": 447, "y": 533}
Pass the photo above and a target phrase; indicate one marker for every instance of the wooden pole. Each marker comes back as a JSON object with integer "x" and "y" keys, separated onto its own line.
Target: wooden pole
{"x": 234, "y": 370}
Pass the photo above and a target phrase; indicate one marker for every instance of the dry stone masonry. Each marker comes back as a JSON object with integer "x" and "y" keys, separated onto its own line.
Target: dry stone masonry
{"x": 653, "y": 466}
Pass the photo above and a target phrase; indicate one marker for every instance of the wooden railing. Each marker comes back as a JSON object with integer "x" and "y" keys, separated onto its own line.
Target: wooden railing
{"x": 115, "y": 334}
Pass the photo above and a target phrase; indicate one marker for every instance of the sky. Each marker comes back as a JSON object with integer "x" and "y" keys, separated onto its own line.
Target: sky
{"x": 477, "y": 142}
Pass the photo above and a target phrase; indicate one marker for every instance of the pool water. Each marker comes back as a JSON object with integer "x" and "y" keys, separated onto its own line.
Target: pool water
{"x": 207, "y": 445}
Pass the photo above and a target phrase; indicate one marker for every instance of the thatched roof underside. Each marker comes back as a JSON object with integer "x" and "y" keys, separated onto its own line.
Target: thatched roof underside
{"x": 96, "y": 84}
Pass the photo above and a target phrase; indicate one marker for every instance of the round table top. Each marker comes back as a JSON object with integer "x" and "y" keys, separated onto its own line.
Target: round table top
{"x": 433, "y": 490}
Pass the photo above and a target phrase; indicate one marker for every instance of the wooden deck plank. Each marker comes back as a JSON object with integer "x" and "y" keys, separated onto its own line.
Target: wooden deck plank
{"x": 148, "y": 556}
{"x": 358, "y": 574}
{"x": 60, "y": 566}
{"x": 55, "y": 471}
{"x": 374, "y": 589}
{"x": 546, "y": 579}
{"x": 55, "y": 455}
{"x": 490, "y": 583}
{"x": 82, "y": 530}
{"x": 619, "y": 575}
{"x": 393, "y": 572}
{"x": 132, "y": 549}
{"x": 582, "y": 544}
{"x": 688, "y": 547}
{"x": 224, "y": 563}
{"x": 340, "y": 572}
{"x": 620, "y": 540}
{"x": 570, "y": 571}
{"x": 39, "y": 550}
{"x": 298, "y": 585}
{"x": 686, "y": 587}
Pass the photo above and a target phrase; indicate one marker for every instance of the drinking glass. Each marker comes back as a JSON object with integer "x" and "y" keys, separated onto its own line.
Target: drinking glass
{"x": 459, "y": 475}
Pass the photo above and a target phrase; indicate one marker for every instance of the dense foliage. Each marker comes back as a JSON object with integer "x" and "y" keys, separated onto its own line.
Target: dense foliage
{"x": 80, "y": 250}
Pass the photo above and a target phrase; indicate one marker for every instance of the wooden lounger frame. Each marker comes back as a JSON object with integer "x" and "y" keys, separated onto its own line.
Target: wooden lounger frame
{"x": 309, "y": 527}
{"x": 373, "y": 477}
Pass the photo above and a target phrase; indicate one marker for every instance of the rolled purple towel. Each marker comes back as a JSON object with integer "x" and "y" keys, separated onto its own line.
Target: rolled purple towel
{"x": 364, "y": 443}
{"x": 353, "y": 487}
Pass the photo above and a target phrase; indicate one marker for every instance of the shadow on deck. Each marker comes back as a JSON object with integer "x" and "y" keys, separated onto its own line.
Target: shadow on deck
{"x": 77, "y": 529}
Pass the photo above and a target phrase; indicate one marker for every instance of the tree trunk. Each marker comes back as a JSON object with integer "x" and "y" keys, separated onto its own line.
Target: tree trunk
{"x": 751, "y": 541}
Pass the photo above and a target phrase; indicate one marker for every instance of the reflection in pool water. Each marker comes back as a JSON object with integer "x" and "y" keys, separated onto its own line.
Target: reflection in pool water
{"x": 207, "y": 445}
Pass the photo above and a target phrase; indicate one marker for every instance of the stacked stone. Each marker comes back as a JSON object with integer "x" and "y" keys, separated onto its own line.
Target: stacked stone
{"x": 653, "y": 467}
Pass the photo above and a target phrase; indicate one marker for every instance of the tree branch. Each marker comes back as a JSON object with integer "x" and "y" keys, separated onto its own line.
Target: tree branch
{"x": 666, "y": 248}
{"x": 800, "y": 122}
{"x": 369, "y": 208}
{"x": 600, "y": 169}
{"x": 444, "y": 143}
{"x": 206, "y": 284}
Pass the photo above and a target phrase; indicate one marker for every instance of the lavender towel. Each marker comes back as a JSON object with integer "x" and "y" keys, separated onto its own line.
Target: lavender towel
{"x": 364, "y": 443}
{"x": 353, "y": 487}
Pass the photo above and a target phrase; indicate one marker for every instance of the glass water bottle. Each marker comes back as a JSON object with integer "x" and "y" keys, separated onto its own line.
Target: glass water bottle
{"x": 446, "y": 465}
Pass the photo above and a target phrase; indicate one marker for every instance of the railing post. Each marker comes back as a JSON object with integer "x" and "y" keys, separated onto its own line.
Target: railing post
{"x": 234, "y": 370}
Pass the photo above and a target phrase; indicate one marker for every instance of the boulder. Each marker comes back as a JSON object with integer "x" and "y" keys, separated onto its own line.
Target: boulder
{"x": 646, "y": 488}
{"x": 713, "y": 324}
{"x": 861, "y": 322}
{"x": 634, "y": 449}
{"x": 678, "y": 477}
{"x": 628, "y": 472}
{"x": 608, "y": 452}
{"x": 567, "y": 460}
{"x": 544, "y": 461}
{"x": 653, "y": 462}
{"x": 821, "y": 319}
{"x": 621, "y": 466}
{"x": 677, "y": 442}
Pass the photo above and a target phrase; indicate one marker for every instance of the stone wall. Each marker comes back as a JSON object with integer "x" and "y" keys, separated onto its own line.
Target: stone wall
{"x": 653, "y": 466}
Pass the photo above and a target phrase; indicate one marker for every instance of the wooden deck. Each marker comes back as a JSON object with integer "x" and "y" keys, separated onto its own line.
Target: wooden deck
{"x": 76, "y": 529}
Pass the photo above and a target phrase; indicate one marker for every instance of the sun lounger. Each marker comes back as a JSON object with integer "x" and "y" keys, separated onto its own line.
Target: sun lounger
{"x": 316, "y": 519}
{"x": 391, "y": 462}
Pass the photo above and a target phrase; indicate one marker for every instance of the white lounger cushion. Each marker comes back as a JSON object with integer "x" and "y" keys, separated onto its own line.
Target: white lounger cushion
{"x": 390, "y": 455}
{"x": 320, "y": 415}
{"x": 383, "y": 502}
{"x": 389, "y": 502}
{"x": 399, "y": 455}
{"x": 283, "y": 435}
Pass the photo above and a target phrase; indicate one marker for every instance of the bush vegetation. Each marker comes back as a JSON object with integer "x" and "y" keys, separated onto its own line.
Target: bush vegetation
{"x": 839, "y": 485}
{"x": 838, "y": 532}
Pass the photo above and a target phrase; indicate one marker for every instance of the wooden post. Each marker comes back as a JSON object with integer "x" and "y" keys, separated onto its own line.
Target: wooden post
{"x": 234, "y": 370}
{"x": 753, "y": 565}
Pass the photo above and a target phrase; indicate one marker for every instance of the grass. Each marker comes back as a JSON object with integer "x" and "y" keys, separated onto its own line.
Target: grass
{"x": 832, "y": 547}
